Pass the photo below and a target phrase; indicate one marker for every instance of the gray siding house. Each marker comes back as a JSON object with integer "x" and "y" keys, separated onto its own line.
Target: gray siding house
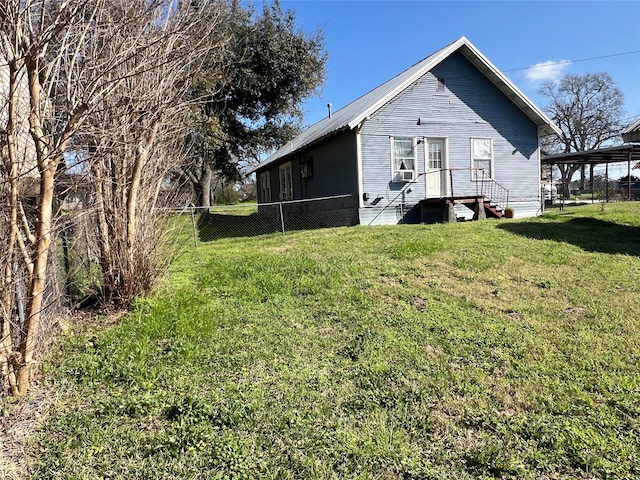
{"x": 632, "y": 133}
{"x": 448, "y": 133}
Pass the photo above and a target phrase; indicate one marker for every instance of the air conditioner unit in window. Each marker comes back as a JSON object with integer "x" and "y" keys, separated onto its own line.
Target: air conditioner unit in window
{"x": 404, "y": 176}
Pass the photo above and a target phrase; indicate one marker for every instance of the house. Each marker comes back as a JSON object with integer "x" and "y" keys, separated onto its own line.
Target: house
{"x": 632, "y": 133}
{"x": 451, "y": 131}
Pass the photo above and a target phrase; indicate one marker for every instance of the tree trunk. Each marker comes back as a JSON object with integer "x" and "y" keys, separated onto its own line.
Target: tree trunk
{"x": 37, "y": 281}
{"x": 8, "y": 280}
{"x": 47, "y": 164}
{"x": 132, "y": 195}
{"x": 566, "y": 174}
{"x": 106, "y": 259}
{"x": 203, "y": 187}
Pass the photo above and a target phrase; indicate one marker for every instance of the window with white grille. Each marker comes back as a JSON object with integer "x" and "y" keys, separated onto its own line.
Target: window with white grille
{"x": 403, "y": 159}
{"x": 481, "y": 158}
{"x": 286, "y": 182}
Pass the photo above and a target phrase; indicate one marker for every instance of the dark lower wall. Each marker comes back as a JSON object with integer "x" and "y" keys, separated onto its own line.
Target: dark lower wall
{"x": 333, "y": 164}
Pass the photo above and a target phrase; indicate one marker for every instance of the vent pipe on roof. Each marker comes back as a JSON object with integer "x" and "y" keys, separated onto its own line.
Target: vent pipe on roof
{"x": 329, "y": 108}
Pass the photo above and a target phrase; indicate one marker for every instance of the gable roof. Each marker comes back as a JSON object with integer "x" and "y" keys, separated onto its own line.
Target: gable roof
{"x": 632, "y": 134}
{"x": 352, "y": 115}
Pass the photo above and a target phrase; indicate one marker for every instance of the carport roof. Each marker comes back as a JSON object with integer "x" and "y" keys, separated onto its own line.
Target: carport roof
{"x": 623, "y": 153}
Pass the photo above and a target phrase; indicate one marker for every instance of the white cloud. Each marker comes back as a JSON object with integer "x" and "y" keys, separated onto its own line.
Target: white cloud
{"x": 548, "y": 70}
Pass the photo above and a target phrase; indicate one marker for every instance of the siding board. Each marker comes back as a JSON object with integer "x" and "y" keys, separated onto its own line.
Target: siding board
{"x": 334, "y": 169}
{"x": 470, "y": 106}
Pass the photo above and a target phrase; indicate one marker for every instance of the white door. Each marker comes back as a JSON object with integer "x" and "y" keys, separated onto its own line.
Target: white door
{"x": 435, "y": 168}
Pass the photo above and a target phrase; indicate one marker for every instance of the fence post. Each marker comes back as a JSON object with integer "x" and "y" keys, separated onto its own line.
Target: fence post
{"x": 193, "y": 225}
{"x": 281, "y": 217}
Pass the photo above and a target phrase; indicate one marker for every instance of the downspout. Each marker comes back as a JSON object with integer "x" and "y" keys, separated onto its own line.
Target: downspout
{"x": 541, "y": 195}
{"x": 359, "y": 166}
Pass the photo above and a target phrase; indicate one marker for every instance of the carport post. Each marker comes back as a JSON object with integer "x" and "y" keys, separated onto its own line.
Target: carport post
{"x": 629, "y": 177}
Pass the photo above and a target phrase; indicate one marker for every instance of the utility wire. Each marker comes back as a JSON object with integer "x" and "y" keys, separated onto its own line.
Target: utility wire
{"x": 566, "y": 62}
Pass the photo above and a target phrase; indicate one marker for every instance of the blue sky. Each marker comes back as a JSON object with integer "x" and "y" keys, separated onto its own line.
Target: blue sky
{"x": 369, "y": 42}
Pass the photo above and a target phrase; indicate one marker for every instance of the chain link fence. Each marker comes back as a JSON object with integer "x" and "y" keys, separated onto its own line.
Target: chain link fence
{"x": 78, "y": 253}
{"x": 246, "y": 220}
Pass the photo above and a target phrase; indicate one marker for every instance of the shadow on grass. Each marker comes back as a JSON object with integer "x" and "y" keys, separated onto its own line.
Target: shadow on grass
{"x": 214, "y": 226}
{"x": 590, "y": 234}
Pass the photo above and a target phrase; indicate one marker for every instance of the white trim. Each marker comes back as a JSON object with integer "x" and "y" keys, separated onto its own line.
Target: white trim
{"x": 510, "y": 86}
{"x": 265, "y": 181}
{"x": 359, "y": 167}
{"x": 634, "y": 126}
{"x": 444, "y": 184}
{"x": 539, "y": 158}
{"x": 439, "y": 57}
{"x": 435, "y": 60}
{"x": 447, "y": 185}
{"x": 472, "y": 158}
{"x": 353, "y": 114}
{"x": 391, "y": 139}
{"x": 288, "y": 192}
{"x": 414, "y": 149}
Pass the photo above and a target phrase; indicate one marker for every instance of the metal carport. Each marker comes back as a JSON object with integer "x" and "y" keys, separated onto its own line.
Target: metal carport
{"x": 629, "y": 153}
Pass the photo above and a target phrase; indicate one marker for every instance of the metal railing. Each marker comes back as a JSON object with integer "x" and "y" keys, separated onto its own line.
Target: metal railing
{"x": 493, "y": 191}
{"x": 406, "y": 188}
{"x": 466, "y": 181}
{"x": 461, "y": 182}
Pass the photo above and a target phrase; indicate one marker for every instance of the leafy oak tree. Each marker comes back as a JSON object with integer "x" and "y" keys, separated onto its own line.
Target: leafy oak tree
{"x": 256, "y": 106}
{"x": 589, "y": 110}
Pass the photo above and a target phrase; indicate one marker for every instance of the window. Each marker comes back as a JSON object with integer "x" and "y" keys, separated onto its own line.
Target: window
{"x": 403, "y": 151}
{"x": 306, "y": 168}
{"x": 481, "y": 158}
{"x": 265, "y": 187}
{"x": 434, "y": 154}
{"x": 286, "y": 182}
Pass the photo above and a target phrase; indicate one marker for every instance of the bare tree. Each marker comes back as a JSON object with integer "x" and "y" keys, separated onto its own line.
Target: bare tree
{"x": 589, "y": 110}
{"x": 38, "y": 36}
{"x": 74, "y": 61}
{"x": 136, "y": 137}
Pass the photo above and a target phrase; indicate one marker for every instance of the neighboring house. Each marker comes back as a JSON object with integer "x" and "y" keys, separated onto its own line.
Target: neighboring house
{"x": 449, "y": 131}
{"x": 632, "y": 133}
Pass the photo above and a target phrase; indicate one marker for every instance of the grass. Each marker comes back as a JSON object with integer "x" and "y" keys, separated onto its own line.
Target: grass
{"x": 476, "y": 350}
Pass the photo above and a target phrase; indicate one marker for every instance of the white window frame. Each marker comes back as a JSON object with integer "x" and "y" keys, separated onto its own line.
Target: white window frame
{"x": 427, "y": 143}
{"x": 286, "y": 181}
{"x": 265, "y": 187}
{"x": 414, "y": 149}
{"x": 474, "y": 158}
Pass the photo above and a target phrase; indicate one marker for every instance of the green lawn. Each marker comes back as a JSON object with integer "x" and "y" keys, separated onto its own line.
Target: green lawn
{"x": 496, "y": 349}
